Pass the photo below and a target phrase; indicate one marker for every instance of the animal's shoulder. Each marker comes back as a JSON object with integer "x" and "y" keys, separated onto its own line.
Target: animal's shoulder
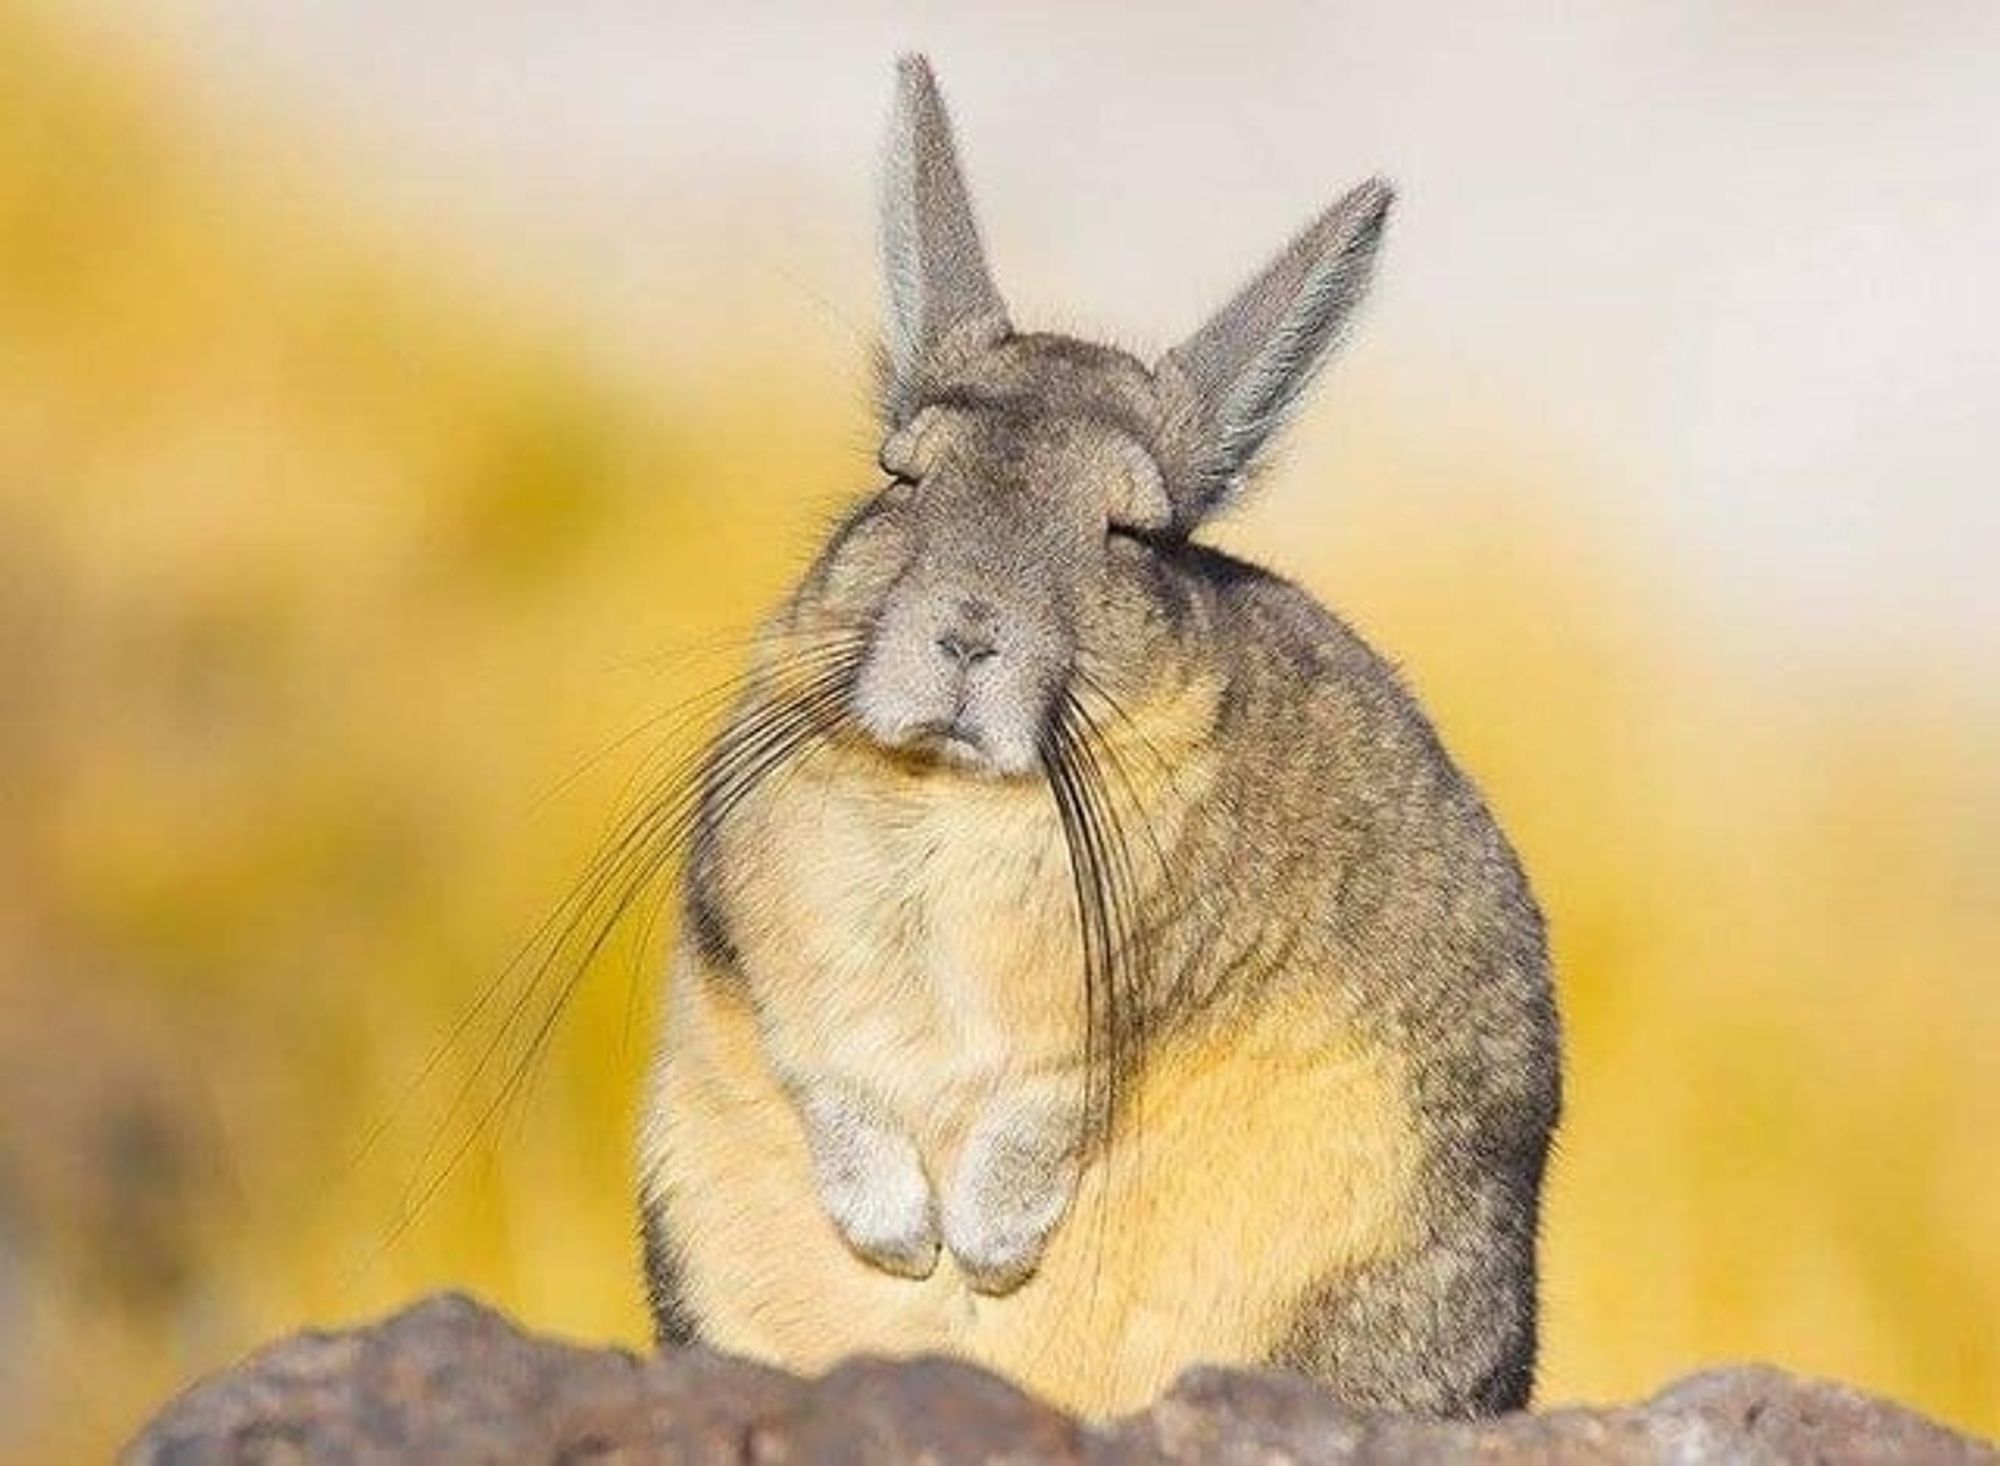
{"x": 1277, "y": 636}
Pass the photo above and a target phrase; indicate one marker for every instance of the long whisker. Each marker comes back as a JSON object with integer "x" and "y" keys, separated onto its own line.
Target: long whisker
{"x": 1176, "y": 904}
{"x": 1108, "y": 1009}
{"x": 828, "y": 652}
{"x": 1127, "y": 978}
{"x": 782, "y": 746}
{"x": 709, "y": 783}
{"x": 631, "y": 835}
{"x": 686, "y": 711}
{"x": 1096, "y": 741}
{"x": 1087, "y": 884}
{"x": 636, "y": 875}
{"x": 1091, "y": 765}
{"x": 1081, "y": 677}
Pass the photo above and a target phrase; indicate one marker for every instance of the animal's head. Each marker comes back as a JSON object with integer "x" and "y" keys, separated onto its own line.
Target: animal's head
{"x": 1037, "y": 483}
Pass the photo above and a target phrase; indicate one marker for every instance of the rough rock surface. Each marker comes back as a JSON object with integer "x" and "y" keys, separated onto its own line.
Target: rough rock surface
{"x": 450, "y": 1380}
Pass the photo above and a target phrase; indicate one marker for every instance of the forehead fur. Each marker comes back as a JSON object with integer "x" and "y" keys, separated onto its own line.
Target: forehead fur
{"x": 1052, "y": 410}
{"x": 1051, "y": 377}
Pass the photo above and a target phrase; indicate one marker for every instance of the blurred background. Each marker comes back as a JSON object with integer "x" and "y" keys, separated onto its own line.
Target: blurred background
{"x": 401, "y": 403}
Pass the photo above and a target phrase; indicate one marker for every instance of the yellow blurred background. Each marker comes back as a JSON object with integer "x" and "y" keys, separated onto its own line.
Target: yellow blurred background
{"x": 346, "y": 529}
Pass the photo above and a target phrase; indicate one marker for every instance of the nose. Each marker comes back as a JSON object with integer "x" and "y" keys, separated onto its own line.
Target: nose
{"x": 966, "y": 646}
{"x": 967, "y": 638}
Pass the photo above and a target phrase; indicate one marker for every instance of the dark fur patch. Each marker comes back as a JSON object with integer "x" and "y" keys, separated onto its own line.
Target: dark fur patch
{"x": 708, "y": 931}
{"x": 674, "y": 1323}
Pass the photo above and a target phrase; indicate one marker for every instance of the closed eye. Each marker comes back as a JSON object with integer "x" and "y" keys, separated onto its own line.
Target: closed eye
{"x": 1146, "y": 538}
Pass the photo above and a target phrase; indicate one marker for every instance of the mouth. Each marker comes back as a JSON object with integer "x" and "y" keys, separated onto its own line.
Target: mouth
{"x": 948, "y": 742}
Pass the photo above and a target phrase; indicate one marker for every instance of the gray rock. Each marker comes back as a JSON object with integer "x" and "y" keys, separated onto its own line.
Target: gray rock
{"x": 451, "y": 1381}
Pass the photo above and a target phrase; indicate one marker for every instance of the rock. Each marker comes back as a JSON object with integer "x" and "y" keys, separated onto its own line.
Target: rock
{"x": 450, "y": 1380}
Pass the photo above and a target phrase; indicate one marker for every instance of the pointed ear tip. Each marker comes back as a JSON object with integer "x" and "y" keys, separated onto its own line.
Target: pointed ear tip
{"x": 1377, "y": 194}
{"x": 913, "y": 71}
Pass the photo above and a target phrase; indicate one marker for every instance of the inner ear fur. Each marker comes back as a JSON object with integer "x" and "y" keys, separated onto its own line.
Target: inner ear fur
{"x": 942, "y": 305}
{"x": 1229, "y": 388}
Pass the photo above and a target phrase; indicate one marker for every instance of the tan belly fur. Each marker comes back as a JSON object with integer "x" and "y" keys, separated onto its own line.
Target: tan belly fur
{"x": 923, "y": 945}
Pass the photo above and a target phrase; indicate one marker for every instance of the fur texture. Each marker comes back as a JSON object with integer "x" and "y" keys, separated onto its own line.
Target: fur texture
{"x": 1092, "y": 963}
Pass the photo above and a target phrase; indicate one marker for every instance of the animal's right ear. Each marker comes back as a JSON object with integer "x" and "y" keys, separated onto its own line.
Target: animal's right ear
{"x": 942, "y": 305}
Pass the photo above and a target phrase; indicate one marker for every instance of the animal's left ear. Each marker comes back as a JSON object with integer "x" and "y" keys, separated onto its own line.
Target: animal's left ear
{"x": 1230, "y": 386}
{"x": 942, "y": 305}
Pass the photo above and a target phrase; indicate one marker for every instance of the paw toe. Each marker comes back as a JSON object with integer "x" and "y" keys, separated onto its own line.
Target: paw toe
{"x": 910, "y": 1255}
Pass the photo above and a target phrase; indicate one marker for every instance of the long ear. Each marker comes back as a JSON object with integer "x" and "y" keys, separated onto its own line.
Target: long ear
{"x": 942, "y": 303}
{"x": 1232, "y": 384}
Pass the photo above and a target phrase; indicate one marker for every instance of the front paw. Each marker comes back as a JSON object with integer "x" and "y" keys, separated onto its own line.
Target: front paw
{"x": 1013, "y": 1187}
{"x": 999, "y": 1248}
{"x": 872, "y": 1183}
{"x": 889, "y": 1218}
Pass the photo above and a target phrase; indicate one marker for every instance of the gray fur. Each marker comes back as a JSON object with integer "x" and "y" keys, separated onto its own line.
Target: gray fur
{"x": 870, "y": 1179}
{"x": 1034, "y": 542}
{"x": 1014, "y": 1183}
{"x": 941, "y": 301}
{"x": 1240, "y": 376}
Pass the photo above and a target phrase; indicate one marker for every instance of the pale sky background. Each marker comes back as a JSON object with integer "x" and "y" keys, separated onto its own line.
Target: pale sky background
{"x": 1742, "y": 258}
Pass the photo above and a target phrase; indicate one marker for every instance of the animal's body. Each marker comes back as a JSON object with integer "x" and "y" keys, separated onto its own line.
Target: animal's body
{"x": 1091, "y": 963}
